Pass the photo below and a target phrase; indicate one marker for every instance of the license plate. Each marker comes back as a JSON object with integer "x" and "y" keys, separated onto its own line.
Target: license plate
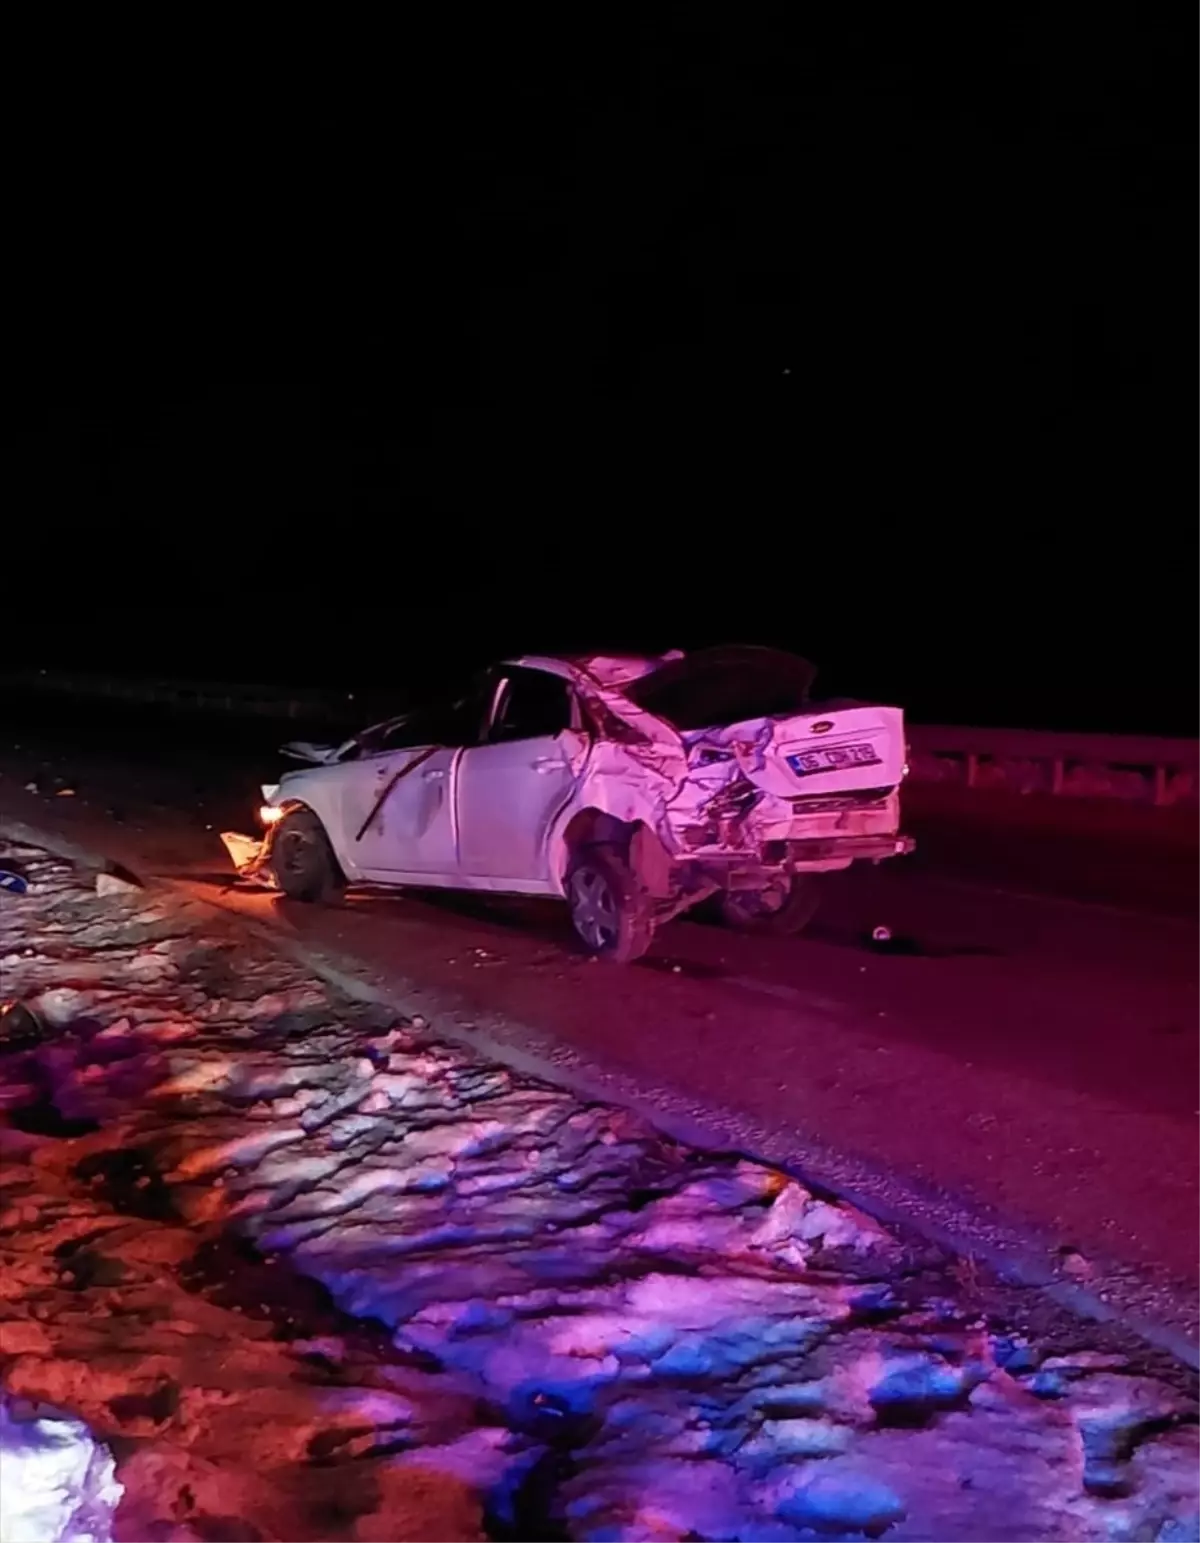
{"x": 832, "y": 758}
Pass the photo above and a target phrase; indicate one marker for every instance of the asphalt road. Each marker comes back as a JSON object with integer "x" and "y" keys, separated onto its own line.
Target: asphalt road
{"x": 1030, "y": 1055}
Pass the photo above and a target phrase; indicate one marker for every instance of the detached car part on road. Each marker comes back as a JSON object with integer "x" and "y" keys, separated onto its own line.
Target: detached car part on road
{"x": 633, "y": 788}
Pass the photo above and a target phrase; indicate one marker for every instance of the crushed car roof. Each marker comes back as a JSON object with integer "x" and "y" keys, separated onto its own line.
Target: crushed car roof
{"x": 606, "y": 669}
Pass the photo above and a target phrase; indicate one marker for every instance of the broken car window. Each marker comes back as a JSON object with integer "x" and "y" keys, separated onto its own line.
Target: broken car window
{"x": 717, "y": 686}
{"x": 532, "y": 705}
{"x": 452, "y": 723}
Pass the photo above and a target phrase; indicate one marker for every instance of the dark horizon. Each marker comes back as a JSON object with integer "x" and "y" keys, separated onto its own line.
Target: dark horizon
{"x": 960, "y": 683}
{"x": 860, "y": 338}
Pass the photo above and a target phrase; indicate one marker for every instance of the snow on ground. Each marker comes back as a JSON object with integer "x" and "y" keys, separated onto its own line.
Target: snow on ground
{"x": 539, "y": 1318}
{"x": 56, "y": 1483}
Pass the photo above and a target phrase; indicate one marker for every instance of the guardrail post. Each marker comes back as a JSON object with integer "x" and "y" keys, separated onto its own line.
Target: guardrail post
{"x": 1160, "y": 784}
{"x": 972, "y": 768}
{"x": 1058, "y": 772}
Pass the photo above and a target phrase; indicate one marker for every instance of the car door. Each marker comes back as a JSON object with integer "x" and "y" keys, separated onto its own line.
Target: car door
{"x": 399, "y": 806}
{"x": 402, "y": 815}
{"x": 511, "y": 787}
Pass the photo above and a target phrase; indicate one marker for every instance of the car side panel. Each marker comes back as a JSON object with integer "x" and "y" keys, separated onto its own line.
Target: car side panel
{"x": 399, "y": 812}
{"x": 509, "y": 795}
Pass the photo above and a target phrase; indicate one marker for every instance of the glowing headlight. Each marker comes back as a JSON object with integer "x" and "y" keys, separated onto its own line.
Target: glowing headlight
{"x": 269, "y": 814}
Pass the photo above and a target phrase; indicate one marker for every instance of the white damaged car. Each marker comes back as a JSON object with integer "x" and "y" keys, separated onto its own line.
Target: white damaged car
{"x": 632, "y": 788}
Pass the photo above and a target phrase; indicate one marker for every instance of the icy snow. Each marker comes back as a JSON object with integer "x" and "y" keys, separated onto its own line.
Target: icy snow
{"x": 591, "y": 1329}
{"x": 57, "y": 1484}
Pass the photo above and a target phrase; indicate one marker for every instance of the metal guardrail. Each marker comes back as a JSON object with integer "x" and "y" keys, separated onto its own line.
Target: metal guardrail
{"x": 1132, "y": 768}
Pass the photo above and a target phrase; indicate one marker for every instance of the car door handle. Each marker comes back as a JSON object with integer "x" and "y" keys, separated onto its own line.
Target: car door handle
{"x": 547, "y": 763}
{"x": 434, "y": 774}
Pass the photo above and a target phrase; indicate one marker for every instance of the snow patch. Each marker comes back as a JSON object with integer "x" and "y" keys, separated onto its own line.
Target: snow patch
{"x": 57, "y": 1485}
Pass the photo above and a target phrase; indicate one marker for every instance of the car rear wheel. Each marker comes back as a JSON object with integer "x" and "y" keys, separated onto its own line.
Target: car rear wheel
{"x": 785, "y": 906}
{"x": 302, "y": 859}
{"x": 612, "y": 916}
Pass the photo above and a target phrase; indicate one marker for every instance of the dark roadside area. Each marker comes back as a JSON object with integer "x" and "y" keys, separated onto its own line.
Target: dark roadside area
{"x": 1011, "y": 1056}
{"x": 1095, "y": 851}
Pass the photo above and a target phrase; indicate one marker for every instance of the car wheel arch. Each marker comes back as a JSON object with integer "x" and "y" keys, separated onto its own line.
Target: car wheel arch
{"x": 288, "y": 806}
{"x": 310, "y": 868}
{"x": 293, "y": 803}
{"x": 636, "y": 841}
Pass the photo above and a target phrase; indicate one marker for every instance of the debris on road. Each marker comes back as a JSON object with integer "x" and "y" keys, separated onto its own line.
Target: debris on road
{"x": 248, "y": 856}
{"x": 115, "y": 884}
{"x": 243, "y": 850}
{"x": 19, "y": 1026}
{"x": 1076, "y": 1265}
{"x": 312, "y": 1273}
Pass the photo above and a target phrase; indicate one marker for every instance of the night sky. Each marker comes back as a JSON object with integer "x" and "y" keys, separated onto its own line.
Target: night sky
{"x": 859, "y": 335}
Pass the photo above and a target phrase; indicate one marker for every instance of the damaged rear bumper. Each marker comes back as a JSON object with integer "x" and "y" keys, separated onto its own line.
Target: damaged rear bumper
{"x": 839, "y": 851}
{"x": 685, "y": 880}
{"x": 737, "y": 869}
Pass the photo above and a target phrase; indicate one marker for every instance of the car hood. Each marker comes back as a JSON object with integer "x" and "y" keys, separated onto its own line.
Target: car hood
{"x": 312, "y": 754}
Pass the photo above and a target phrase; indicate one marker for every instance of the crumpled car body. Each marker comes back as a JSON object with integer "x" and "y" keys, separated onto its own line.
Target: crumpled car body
{"x": 709, "y": 772}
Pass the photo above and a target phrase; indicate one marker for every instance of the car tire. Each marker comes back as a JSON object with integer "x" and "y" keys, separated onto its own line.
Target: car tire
{"x": 302, "y": 859}
{"x": 612, "y": 915}
{"x": 772, "y": 912}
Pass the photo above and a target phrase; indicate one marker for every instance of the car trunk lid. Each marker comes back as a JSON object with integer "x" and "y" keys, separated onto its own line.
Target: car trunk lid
{"x": 755, "y": 744}
{"x": 822, "y": 752}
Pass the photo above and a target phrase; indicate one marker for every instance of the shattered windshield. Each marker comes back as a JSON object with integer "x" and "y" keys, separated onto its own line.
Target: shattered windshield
{"x": 717, "y": 686}
{"x": 455, "y": 720}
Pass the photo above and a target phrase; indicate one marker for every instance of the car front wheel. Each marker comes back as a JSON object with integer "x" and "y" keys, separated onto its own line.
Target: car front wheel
{"x": 302, "y": 859}
{"x": 610, "y": 912}
{"x": 785, "y": 906}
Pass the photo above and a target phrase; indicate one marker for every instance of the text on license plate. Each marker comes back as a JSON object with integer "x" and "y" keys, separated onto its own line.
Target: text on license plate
{"x": 832, "y": 758}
